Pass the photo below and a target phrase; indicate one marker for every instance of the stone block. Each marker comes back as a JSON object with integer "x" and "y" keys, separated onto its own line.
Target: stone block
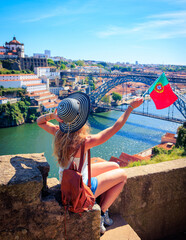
{"x": 27, "y": 214}
{"x": 153, "y": 200}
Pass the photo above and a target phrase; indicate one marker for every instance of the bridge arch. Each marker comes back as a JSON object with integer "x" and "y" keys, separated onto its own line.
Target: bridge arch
{"x": 97, "y": 95}
{"x": 107, "y": 86}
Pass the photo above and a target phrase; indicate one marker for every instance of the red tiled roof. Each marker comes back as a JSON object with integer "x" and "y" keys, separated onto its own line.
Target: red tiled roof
{"x": 127, "y": 157}
{"x": 44, "y": 94}
{"x": 166, "y": 145}
{"x": 169, "y": 135}
{"x": 44, "y": 99}
{"x": 33, "y": 79}
{"x": 24, "y": 80}
{"x": 36, "y": 93}
{"x": 50, "y": 104}
{"x": 3, "y": 98}
{"x": 45, "y": 67}
{"x": 1, "y": 47}
{"x": 35, "y": 84}
{"x": 14, "y": 41}
{"x": 142, "y": 158}
{"x": 10, "y": 80}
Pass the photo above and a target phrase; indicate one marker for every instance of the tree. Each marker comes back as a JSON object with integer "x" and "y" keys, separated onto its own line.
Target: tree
{"x": 104, "y": 64}
{"x": 63, "y": 81}
{"x": 105, "y": 99}
{"x": 62, "y": 67}
{"x": 87, "y": 80}
{"x": 79, "y": 63}
{"x": 116, "y": 96}
{"x": 50, "y": 62}
{"x": 181, "y": 139}
{"x": 72, "y": 65}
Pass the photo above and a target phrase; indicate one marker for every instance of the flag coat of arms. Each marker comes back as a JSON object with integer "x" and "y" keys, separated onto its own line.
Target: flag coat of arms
{"x": 161, "y": 93}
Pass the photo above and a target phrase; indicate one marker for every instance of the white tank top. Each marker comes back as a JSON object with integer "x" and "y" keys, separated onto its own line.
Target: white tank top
{"x": 84, "y": 170}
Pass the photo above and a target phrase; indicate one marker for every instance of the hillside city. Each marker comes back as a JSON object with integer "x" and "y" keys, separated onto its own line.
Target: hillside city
{"x": 42, "y": 80}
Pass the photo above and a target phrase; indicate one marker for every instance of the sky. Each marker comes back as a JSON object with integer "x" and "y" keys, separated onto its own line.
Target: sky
{"x": 148, "y": 31}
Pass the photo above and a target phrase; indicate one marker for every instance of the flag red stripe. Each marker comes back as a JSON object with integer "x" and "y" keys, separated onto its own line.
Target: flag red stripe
{"x": 164, "y": 99}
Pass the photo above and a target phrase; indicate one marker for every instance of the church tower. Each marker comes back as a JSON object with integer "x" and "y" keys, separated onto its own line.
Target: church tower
{"x": 16, "y": 46}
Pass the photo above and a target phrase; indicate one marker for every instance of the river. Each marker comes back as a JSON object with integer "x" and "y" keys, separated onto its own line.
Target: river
{"x": 138, "y": 134}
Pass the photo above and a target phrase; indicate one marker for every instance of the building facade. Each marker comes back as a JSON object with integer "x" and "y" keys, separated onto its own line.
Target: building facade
{"x": 31, "y": 63}
{"x": 28, "y": 81}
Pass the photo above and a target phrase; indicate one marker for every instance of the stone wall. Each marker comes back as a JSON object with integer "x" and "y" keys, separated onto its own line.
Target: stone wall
{"x": 30, "y": 210}
{"x": 153, "y": 201}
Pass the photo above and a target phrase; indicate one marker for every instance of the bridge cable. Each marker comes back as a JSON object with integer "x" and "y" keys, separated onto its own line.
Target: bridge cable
{"x": 147, "y": 106}
{"x": 172, "y": 110}
{"x": 168, "y": 111}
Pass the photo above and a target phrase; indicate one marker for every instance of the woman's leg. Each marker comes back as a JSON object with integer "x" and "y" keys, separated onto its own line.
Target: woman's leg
{"x": 101, "y": 167}
{"x": 111, "y": 184}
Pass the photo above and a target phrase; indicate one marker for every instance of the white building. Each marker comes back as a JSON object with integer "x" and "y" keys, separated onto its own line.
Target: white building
{"x": 3, "y": 100}
{"x": 42, "y": 55}
{"x": 49, "y": 72}
{"x": 29, "y": 81}
{"x": 48, "y": 53}
{"x": 56, "y": 90}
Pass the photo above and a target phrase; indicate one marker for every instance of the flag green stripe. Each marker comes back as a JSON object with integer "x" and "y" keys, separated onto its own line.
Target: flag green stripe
{"x": 161, "y": 79}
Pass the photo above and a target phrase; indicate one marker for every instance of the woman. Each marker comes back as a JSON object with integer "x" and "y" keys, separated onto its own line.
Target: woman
{"x": 72, "y": 113}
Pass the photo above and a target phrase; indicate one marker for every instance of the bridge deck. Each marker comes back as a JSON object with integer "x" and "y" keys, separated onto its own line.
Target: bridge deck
{"x": 176, "y": 120}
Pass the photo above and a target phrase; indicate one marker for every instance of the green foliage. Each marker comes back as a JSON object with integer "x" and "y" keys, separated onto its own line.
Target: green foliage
{"x": 116, "y": 96}
{"x": 63, "y": 82}
{"x": 31, "y": 118}
{"x": 161, "y": 155}
{"x": 157, "y": 150}
{"x": 172, "y": 68}
{"x": 50, "y": 62}
{"x": 19, "y": 92}
{"x": 63, "y": 66}
{"x": 16, "y": 113}
{"x": 181, "y": 138}
{"x": 10, "y": 114}
{"x": 72, "y": 65}
{"x": 103, "y": 64}
{"x": 64, "y": 62}
{"x": 87, "y": 80}
{"x": 122, "y": 69}
{"x": 79, "y": 63}
{"x": 6, "y": 71}
{"x": 93, "y": 86}
{"x": 105, "y": 99}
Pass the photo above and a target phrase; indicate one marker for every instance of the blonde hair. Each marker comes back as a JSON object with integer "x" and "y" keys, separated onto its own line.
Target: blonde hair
{"x": 65, "y": 144}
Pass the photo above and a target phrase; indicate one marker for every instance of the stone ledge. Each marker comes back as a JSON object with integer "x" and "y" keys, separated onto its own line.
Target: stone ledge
{"x": 153, "y": 200}
{"x": 27, "y": 214}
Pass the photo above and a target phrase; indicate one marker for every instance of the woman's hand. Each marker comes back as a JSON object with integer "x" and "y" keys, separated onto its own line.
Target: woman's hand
{"x": 55, "y": 116}
{"x": 136, "y": 103}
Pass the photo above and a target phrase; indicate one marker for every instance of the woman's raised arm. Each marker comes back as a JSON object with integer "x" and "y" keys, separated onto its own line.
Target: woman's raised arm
{"x": 103, "y": 136}
{"x": 43, "y": 122}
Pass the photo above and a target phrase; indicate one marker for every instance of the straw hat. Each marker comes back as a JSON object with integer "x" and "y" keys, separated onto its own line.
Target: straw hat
{"x": 74, "y": 111}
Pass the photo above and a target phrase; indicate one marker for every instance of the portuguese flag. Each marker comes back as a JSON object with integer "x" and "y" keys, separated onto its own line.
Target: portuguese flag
{"x": 161, "y": 93}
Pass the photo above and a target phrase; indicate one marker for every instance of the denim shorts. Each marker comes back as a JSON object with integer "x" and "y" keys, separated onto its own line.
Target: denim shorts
{"x": 94, "y": 184}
